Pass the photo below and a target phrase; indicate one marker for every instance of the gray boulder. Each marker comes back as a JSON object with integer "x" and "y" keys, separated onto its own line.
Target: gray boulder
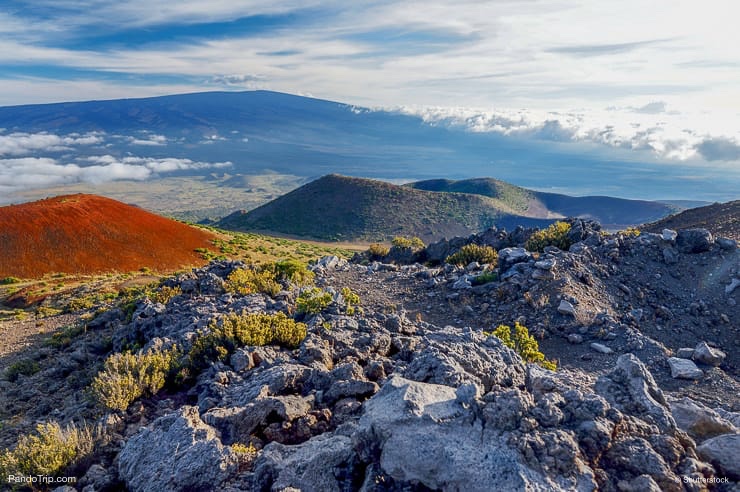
{"x": 632, "y": 389}
{"x": 177, "y": 452}
{"x": 684, "y": 369}
{"x": 708, "y": 355}
{"x": 694, "y": 240}
{"x": 456, "y": 356}
{"x": 324, "y": 463}
{"x": 699, "y": 421}
{"x": 421, "y": 433}
{"x": 508, "y": 257}
{"x": 722, "y": 452}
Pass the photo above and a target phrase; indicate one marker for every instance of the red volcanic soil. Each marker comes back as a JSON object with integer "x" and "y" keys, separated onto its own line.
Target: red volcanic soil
{"x": 91, "y": 234}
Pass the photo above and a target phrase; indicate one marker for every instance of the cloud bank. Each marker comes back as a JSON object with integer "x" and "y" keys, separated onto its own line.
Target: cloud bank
{"x": 41, "y": 172}
{"x": 651, "y": 128}
{"x": 18, "y": 144}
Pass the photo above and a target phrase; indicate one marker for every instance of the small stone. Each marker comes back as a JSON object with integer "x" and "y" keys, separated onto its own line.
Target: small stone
{"x": 726, "y": 243}
{"x": 575, "y": 338}
{"x": 732, "y": 286}
{"x": 547, "y": 264}
{"x": 566, "y": 308}
{"x": 708, "y": 355}
{"x": 670, "y": 256}
{"x": 601, "y": 348}
{"x": 669, "y": 235}
{"x": 685, "y": 353}
{"x": 684, "y": 369}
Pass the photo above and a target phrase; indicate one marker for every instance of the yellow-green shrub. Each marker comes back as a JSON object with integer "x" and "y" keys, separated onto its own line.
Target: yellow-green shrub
{"x": 238, "y": 330}
{"x": 313, "y": 301}
{"x": 248, "y": 281}
{"x": 378, "y": 250}
{"x": 46, "y": 452}
{"x": 407, "y": 242}
{"x": 524, "y": 344}
{"x": 554, "y": 235}
{"x": 127, "y": 376}
{"x": 630, "y": 232}
{"x": 293, "y": 271}
{"x": 165, "y": 293}
{"x": 473, "y": 252}
{"x": 351, "y": 300}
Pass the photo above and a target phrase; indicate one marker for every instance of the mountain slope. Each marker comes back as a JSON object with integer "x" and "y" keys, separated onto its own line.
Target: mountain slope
{"x": 720, "y": 218}
{"x": 338, "y": 207}
{"x": 611, "y": 212}
{"x": 92, "y": 234}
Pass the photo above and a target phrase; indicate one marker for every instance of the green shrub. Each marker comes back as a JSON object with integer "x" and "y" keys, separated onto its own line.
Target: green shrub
{"x": 408, "y": 242}
{"x": 80, "y": 303}
{"x": 248, "y": 281}
{"x": 26, "y": 367}
{"x": 49, "y": 450}
{"x": 554, "y": 235}
{"x": 313, "y": 300}
{"x": 377, "y": 250}
{"x": 484, "y": 278}
{"x": 473, "y": 252}
{"x": 9, "y": 280}
{"x": 239, "y": 330}
{"x": 524, "y": 344}
{"x": 293, "y": 271}
{"x": 165, "y": 294}
{"x": 630, "y": 232}
{"x": 127, "y": 376}
{"x": 351, "y": 301}
{"x": 62, "y": 338}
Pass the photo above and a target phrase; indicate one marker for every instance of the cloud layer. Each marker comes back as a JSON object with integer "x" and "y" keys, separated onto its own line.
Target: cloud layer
{"x": 651, "y": 128}
{"x": 31, "y": 172}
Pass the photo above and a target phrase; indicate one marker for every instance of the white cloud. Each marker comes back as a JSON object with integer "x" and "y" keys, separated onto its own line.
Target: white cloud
{"x": 42, "y": 172}
{"x": 651, "y": 128}
{"x": 150, "y": 140}
{"x": 17, "y": 144}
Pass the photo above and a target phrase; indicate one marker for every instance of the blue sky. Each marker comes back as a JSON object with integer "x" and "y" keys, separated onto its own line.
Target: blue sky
{"x": 659, "y": 77}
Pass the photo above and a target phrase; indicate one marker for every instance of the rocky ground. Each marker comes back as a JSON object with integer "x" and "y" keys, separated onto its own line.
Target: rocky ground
{"x": 411, "y": 394}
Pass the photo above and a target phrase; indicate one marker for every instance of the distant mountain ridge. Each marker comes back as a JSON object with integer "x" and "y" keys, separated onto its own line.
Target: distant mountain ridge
{"x": 86, "y": 234}
{"x": 611, "y": 212}
{"x": 337, "y": 207}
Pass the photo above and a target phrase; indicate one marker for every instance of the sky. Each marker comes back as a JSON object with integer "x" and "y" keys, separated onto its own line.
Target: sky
{"x": 660, "y": 78}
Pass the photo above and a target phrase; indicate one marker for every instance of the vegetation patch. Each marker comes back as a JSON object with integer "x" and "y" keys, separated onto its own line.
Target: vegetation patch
{"x": 49, "y": 451}
{"x": 127, "y": 376}
{"x": 268, "y": 278}
{"x": 485, "y": 278}
{"x": 9, "y": 280}
{"x": 25, "y": 367}
{"x": 473, "y": 252}
{"x": 239, "y": 330}
{"x": 313, "y": 300}
{"x": 554, "y": 235}
{"x": 377, "y": 251}
{"x": 523, "y": 343}
{"x": 351, "y": 301}
{"x": 413, "y": 243}
{"x": 63, "y": 337}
